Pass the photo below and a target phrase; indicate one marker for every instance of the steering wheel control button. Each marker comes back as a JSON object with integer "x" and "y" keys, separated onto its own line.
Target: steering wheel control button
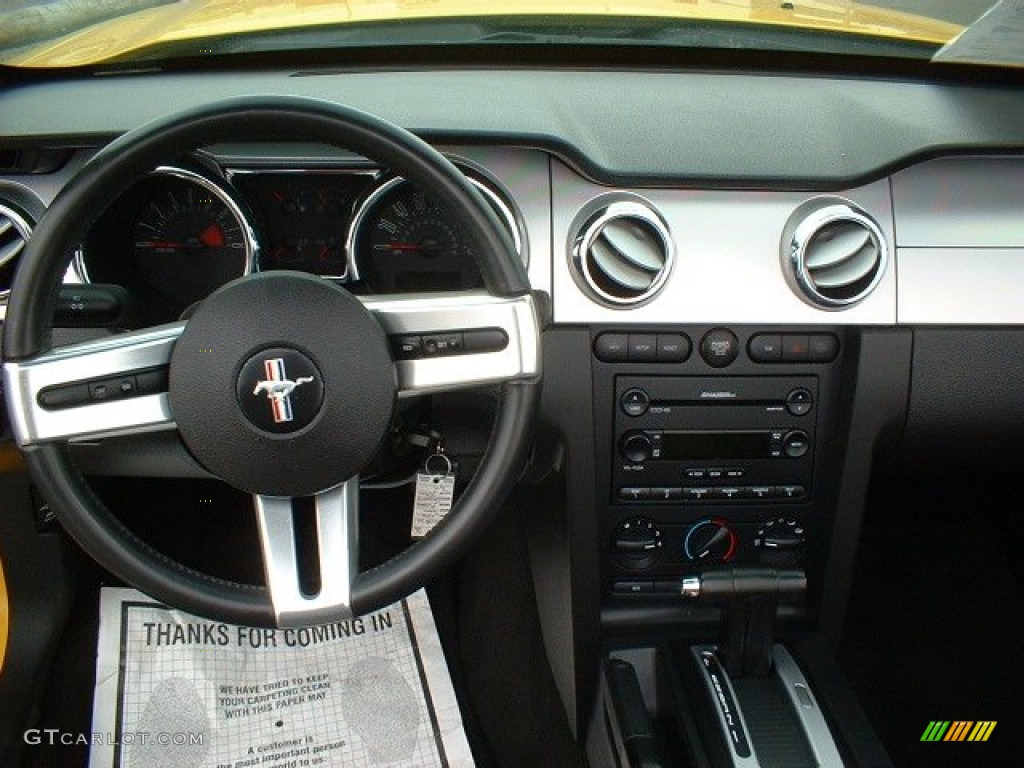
{"x": 407, "y": 347}
{"x": 799, "y": 402}
{"x": 280, "y": 390}
{"x": 796, "y": 444}
{"x": 282, "y": 384}
{"x": 643, "y": 348}
{"x": 634, "y": 402}
{"x": 765, "y": 348}
{"x": 64, "y": 396}
{"x": 673, "y": 347}
{"x": 612, "y": 347}
{"x": 719, "y": 347}
{"x": 484, "y": 340}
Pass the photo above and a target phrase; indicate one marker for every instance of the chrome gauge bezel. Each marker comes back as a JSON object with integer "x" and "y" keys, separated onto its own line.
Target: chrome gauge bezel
{"x": 366, "y": 169}
{"x": 218, "y": 189}
{"x": 387, "y": 183}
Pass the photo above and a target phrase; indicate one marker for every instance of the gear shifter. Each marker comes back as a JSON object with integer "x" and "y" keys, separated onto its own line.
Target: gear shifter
{"x": 749, "y": 598}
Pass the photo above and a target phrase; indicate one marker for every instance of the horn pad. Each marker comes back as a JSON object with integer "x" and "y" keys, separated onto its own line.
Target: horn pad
{"x": 282, "y": 384}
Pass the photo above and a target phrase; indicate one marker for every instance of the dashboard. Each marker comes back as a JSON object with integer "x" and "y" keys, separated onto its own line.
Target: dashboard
{"x": 183, "y": 231}
{"x": 751, "y": 281}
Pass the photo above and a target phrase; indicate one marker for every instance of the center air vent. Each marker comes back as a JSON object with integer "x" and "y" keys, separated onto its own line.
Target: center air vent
{"x": 14, "y": 233}
{"x": 833, "y": 253}
{"x": 623, "y": 254}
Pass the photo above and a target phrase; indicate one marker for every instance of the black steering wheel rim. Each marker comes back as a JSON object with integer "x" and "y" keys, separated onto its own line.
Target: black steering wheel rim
{"x": 28, "y": 333}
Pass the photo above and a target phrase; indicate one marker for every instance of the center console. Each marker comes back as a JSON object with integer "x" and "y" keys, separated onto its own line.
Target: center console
{"x": 717, "y": 455}
{"x": 713, "y": 452}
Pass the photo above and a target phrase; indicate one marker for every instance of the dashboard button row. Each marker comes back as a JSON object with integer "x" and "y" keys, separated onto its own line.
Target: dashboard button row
{"x": 711, "y": 493}
{"x": 642, "y": 347}
{"x": 793, "y": 348}
{"x": 412, "y": 347}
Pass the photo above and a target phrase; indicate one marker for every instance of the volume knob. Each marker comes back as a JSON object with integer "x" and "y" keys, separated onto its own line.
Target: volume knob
{"x": 636, "y": 447}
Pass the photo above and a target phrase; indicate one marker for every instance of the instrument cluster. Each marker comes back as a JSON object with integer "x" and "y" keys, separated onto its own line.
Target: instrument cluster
{"x": 180, "y": 233}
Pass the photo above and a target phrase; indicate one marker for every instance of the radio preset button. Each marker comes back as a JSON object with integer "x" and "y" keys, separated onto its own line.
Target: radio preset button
{"x": 634, "y": 402}
{"x": 696, "y": 493}
{"x": 719, "y": 347}
{"x": 634, "y": 494}
{"x": 729, "y": 493}
{"x": 796, "y": 444}
{"x": 666, "y": 494}
{"x": 761, "y": 492}
{"x": 789, "y": 491}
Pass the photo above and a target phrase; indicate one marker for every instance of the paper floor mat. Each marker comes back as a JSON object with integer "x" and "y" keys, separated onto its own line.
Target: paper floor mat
{"x": 177, "y": 691}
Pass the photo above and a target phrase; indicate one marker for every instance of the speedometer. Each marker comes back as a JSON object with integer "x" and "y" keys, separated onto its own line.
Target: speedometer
{"x": 402, "y": 240}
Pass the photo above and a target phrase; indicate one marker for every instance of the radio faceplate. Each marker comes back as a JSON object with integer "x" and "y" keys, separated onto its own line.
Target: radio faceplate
{"x": 685, "y": 439}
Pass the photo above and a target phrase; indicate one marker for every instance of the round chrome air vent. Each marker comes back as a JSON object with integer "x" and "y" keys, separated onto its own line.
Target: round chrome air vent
{"x": 623, "y": 254}
{"x": 15, "y": 231}
{"x": 833, "y": 253}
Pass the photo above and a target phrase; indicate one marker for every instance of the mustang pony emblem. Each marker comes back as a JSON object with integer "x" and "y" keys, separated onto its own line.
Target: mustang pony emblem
{"x": 279, "y": 388}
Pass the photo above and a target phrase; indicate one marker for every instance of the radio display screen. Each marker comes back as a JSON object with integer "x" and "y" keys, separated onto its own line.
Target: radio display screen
{"x": 678, "y": 446}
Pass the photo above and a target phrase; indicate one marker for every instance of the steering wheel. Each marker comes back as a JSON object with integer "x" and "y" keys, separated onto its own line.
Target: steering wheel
{"x": 220, "y": 378}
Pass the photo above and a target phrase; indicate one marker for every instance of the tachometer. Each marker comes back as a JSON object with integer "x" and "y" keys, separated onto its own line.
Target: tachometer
{"x": 172, "y": 239}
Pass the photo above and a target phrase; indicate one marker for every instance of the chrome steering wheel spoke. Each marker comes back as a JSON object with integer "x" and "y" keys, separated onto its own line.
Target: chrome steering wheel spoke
{"x": 54, "y": 396}
{"x": 337, "y": 554}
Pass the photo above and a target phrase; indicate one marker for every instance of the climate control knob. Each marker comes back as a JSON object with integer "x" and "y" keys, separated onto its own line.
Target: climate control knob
{"x": 636, "y": 543}
{"x": 780, "y": 543}
{"x": 636, "y": 447}
{"x": 710, "y": 541}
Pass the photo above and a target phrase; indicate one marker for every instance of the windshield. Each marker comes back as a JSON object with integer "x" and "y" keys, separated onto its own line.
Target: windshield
{"x": 69, "y": 33}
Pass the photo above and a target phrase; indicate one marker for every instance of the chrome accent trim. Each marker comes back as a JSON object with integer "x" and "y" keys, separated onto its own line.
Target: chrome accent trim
{"x": 819, "y": 737}
{"x": 24, "y": 229}
{"x": 804, "y": 224}
{"x": 738, "y": 761}
{"x": 365, "y": 207}
{"x": 219, "y": 190}
{"x": 121, "y": 354}
{"x": 337, "y": 517}
{"x": 437, "y": 313}
{"x": 367, "y": 169}
{"x": 607, "y": 211}
{"x": 731, "y": 272}
{"x": 690, "y": 587}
